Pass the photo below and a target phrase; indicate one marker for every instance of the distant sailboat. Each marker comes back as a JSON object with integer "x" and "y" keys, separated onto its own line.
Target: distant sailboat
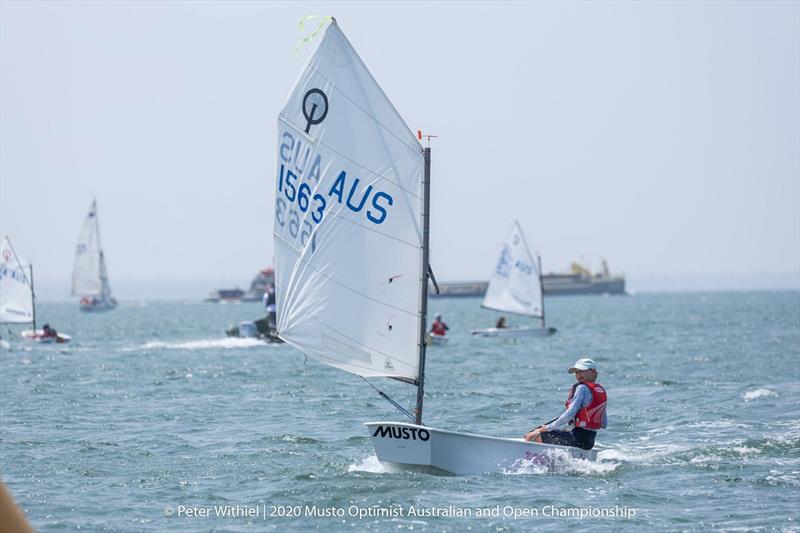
{"x": 516, "y": 287}
{"x": 351, "y": 234}
{"x": 17, "y": 300}
{"x": 89, "y": 275}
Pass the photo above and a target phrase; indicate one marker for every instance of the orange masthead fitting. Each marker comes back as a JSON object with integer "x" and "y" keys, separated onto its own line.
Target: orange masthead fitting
{"x": 419, "y": 134}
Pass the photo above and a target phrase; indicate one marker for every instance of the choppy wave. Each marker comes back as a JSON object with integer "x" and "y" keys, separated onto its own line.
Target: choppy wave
{"x": 294, "y": 439}
{"x": 644, "y": 454}
{"x": 786, "y": 479}
{"x": 758, "y": 393}
{"x": 562, "y": 462}
{"x": 732, "y": 452}
{"x": 226, "y": 343}
{"x": 745, "y": 450}
{"x": 370, "y": 464}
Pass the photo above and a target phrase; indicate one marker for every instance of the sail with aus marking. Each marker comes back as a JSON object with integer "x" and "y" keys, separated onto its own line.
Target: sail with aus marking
{"x": 515, "y": 286}
{"x": 89, "y": 277}
{"x": 348, "y": 203}
{"x": 16, "y": 295}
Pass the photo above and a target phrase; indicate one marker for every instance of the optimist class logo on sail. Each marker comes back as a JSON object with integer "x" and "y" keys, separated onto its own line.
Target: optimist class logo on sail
{"x": 312, "y": 100}
{"x": 307, "y": 189}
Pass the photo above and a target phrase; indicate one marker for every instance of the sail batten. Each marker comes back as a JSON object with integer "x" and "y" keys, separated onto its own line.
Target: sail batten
{"x": 348, "y": 243}
{"x": 515, "y": 286}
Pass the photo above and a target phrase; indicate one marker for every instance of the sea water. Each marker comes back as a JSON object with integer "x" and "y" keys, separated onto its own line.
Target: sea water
{"x": 153, "y": 420}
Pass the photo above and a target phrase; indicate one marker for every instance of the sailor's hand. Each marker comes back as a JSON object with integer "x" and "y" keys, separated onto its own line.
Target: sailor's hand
{"x": 529, "y": 436}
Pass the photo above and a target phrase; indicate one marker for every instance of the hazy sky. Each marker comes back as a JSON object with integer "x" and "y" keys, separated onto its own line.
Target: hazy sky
{"x": 664, "y": 136}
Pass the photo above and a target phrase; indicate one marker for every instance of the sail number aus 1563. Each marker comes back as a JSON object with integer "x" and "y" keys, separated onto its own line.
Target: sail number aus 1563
{"x": 315, "y": 203}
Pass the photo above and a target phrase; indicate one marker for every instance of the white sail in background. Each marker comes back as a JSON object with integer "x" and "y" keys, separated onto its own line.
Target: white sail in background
{"x": 348, "y": 202}
{"x": 106, "y": 287}
{"x": 515, "y": 286}
{"x": 16, "y": 295}
{"x": 89, "y": 273}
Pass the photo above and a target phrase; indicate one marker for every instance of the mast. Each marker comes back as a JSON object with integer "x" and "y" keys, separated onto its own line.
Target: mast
{"x": 423, "y": 311}
{"x": 541, "y": 285}
{"x": 33, "y": 298}
{"x": 96, "y": 224}
{"x": 99, "y": 247}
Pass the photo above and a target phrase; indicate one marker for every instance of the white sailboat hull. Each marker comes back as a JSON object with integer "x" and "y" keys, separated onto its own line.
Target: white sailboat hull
{"x": 437, "y": 340}
{"x": 37, "y": 335}
{"x": 514, "y": 332}
{"x": 414, "y": 447}
{"x": 89, "y": 305}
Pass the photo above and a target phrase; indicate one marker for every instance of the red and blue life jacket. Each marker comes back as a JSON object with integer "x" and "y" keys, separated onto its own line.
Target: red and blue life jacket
{"x": 591, "y": 416}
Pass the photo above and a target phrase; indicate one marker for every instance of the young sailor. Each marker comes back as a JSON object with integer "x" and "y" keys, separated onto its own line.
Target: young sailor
{"x": 586, "y": 411}
{"x": 269, "y": 303}
{"x": 48, "y": 332}
{"x": 439, "y": 327}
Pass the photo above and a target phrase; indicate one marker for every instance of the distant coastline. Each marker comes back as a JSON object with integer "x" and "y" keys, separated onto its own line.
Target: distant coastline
{"x": 198, "y": 289}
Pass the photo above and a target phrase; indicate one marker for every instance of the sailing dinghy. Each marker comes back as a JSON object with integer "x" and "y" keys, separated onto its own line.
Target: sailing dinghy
{"x": 516, "y": 287}
{"x": 17, "y": 300}
{"x": 89, "y": 274}
{"x": 351, "y": 230}
{"x": 437, "y": 340}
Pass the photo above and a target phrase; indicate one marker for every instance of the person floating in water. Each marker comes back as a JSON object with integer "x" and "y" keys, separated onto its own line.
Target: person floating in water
{"x": 501, "y": 323}
{"x": 438, "y": 327}
{"x": 586, "y": 411}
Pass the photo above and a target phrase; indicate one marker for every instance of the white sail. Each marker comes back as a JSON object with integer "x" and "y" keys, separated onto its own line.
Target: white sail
{"x": 89, "y": 269}
{"x": 515, "y": 286}
{"x": 16, "y": 295}
{"x": 106, "y": 287}
{"x": 348, "y": 203}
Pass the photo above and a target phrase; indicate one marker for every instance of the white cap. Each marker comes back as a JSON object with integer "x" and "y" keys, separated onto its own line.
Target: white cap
{"x": 582, "y": 364}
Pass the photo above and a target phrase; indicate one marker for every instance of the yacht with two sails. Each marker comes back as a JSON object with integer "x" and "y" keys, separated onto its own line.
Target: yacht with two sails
{"x": 89, "y": 273}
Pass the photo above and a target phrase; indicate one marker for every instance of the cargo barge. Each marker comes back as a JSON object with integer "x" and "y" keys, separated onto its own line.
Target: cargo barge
{"x": 579, "y": 281}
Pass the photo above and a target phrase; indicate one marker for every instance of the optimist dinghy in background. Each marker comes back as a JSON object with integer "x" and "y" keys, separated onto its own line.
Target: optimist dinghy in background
{"x": 516, "y": 287}
{"x": 17, "y": 299}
